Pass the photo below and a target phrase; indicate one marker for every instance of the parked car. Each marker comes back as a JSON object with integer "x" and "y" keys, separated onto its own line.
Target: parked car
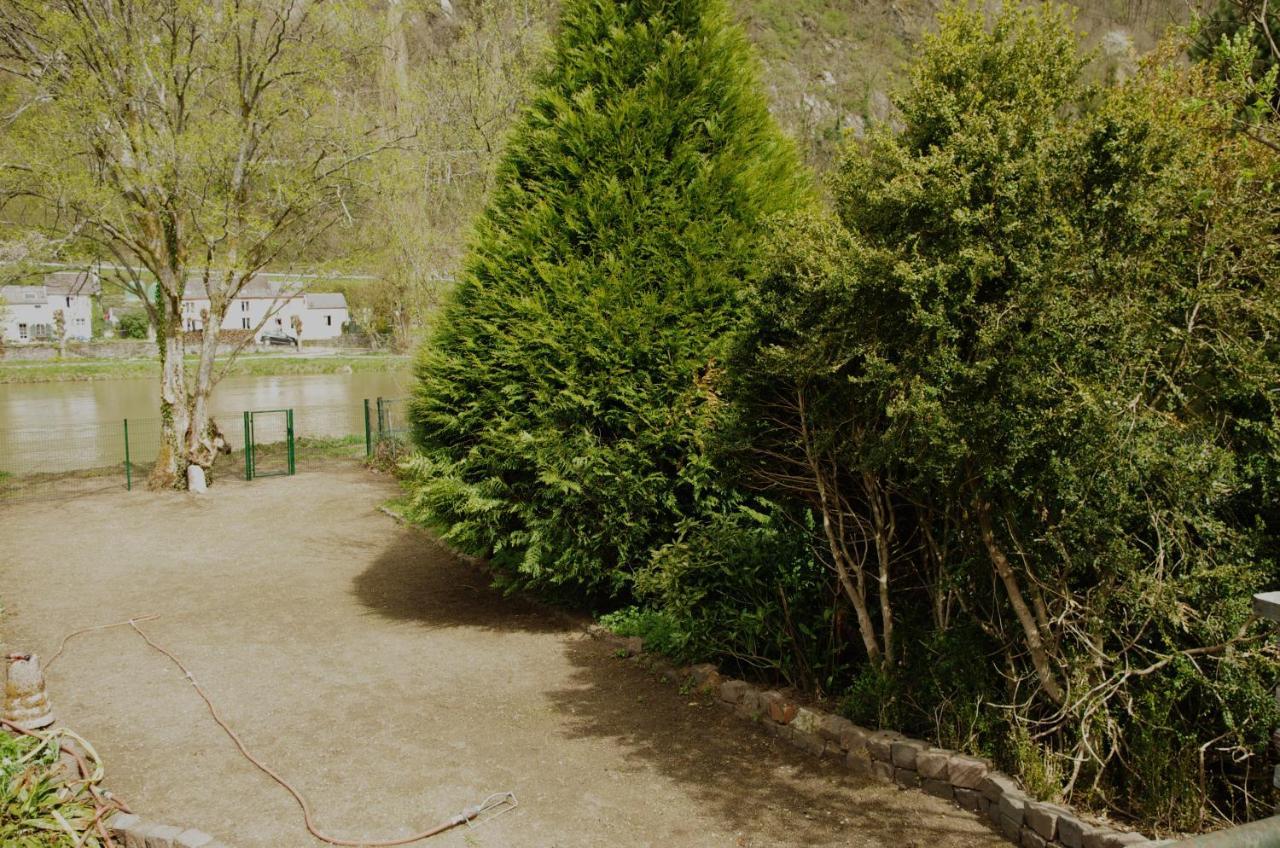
{"x": 278, "y": 338}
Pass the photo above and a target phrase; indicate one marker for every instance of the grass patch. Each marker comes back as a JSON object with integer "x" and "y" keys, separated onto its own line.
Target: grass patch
{"x": 248, "y": 365}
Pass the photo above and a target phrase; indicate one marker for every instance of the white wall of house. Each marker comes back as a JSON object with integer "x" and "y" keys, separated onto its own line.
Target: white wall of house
{"x": 26, "y": 316}
{"x": 323, "y": 323}
{"x": 246, "y": 313}
{"x": 77, "y": 311}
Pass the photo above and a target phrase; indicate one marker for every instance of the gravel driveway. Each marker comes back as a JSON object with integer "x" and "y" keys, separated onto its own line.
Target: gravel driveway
{"x": 388, "y": 682}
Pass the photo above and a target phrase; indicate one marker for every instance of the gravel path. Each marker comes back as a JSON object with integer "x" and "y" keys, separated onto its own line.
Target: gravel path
{"x": 387, "y": 681}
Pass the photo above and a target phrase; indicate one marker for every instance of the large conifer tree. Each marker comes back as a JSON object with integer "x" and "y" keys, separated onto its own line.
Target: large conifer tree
{"x": 558, "y": 404}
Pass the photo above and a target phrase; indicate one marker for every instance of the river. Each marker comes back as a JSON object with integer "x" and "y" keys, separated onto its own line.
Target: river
{"x": 67, "y": 426}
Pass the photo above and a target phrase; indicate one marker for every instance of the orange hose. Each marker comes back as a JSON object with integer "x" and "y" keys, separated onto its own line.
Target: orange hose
{"x": 467, "y": 815}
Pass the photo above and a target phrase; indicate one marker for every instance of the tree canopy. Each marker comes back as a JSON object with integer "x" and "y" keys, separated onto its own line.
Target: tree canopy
{"x": 558, "y": 403}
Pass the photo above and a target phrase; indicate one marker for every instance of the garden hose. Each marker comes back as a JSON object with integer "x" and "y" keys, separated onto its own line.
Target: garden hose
{"x": 505, "y": 800}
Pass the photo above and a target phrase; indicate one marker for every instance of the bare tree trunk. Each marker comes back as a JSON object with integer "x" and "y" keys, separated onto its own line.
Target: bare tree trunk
{"x": 189, "y": 438}
{"x": 1030, "y": 628}
{"x": 170, "y": 470}
{"x": 884, "y": 526}
{"x": 846, "y": 569}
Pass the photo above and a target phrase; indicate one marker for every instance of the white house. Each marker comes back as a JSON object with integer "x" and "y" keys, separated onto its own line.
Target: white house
{"x": 271, "y": 305}
{"x": 28, "y": 313}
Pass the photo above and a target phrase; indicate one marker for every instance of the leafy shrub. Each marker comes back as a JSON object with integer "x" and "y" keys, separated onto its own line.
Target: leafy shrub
{"x": 558, "y": 408}
{"x": 1025, "y": 378}
{"x": 132, "y": 325}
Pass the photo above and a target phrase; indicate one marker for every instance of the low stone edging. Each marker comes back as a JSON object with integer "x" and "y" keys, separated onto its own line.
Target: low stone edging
{"x": 890, "y": 757}
{"x": 130, "y": 831}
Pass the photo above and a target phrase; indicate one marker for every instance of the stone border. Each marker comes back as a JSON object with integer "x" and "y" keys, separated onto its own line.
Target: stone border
{"x": 132, "y": 832}
{"x": 890, "y": 757}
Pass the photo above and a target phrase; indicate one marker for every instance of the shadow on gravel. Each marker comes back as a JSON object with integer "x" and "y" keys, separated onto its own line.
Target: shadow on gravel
{"x": 765, "y": 789}
{"x": 416, "y": 579}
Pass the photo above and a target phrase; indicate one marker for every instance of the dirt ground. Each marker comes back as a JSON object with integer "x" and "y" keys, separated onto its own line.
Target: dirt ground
{"x": 387, "y": 681}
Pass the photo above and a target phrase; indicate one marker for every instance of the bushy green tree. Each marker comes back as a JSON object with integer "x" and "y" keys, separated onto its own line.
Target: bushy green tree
{"x": 560, "y": 405}
{"x": 1025, "y": 380}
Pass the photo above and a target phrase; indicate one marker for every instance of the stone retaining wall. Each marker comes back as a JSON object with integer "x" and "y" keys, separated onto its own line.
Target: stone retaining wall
{"x": 890, "y": 757}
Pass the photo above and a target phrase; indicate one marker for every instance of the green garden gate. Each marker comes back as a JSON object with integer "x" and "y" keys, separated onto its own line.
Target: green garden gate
{"x": 268, "y": 443}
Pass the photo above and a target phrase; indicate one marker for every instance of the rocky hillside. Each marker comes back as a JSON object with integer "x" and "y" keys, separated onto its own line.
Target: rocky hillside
{"x": 831, "y": 63}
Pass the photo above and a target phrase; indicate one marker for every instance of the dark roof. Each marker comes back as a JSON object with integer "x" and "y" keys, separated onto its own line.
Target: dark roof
{"x": 72, "y": 282}
{"x": 258, "y": 286}
{"x": 16, "y": 295}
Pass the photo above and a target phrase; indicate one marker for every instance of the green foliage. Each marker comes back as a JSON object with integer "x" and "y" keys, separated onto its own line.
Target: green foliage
{"x": 743, "y": 586}
{"x": 132, "y": 325}
{"x": 559, "y": 409}
{"x": 1026, "y": 377}
{"x": 36, "y": 810}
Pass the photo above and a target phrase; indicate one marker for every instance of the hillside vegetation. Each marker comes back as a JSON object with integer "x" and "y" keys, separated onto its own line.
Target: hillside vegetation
{"x": 830, "y": 64}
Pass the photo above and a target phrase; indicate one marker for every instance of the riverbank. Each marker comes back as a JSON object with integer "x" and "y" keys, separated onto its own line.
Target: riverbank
{"x": 246, "y": 365}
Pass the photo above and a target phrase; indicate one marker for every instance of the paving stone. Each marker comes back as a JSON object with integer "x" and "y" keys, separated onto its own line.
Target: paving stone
{"x": 732, "y": 691}
{"x": 806, "y": 720}
{"x": 135, "y": 835}
{"x": 880, "y": 744}
{"x": 995, "y": 784}
{"x": 903, "y": 753}
{"x": 966, "y": 772}
{"x": 162, "y": 836}
{"x": 778, "y": 707}
{"x": 1013, "y": 805}
{"x": 811, "y": 742}
{"x": 1011, "y": 829}
{"x": 937, "y": 788}
{"x": 932, "y": 763}
{"x": 1043, "y": 818}
{"x": 1031, "y": 839}
{"x": 882, "y": 771}
{"x": 702, "y": 672}
{"x": 192, "y": 839}
{"x": 859, "y": 762}
{"x": 1071, "y": 831}
{"x": 833, "y": 727}
{"x": 907, "y": 778}
{"x": 1096, "y": 837}
{"x": 120, "y": 822}
{"x": 854, "y": 738}
{"x": 969, "y": 799}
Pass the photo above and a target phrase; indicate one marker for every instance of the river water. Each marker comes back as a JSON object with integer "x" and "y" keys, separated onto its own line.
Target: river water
{"x": 55, "y": 427}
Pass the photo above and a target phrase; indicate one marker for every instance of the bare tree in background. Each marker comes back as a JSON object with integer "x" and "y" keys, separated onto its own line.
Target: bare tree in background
{"x": 186, "y": 140}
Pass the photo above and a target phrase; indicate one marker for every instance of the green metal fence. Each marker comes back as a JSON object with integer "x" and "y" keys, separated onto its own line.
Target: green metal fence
{"x": 386, "y": 425}
{"x": 89, "y": 457}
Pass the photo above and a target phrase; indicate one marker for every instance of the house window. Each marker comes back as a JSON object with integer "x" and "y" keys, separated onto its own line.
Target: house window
{"x": 68, "y": 301}
{"x": 328, "y": 320}
{"x": 244, "y": 306}
{"x": 22, "y": 331}
{"x": 244, "y": 323}
{"x": 279, "y": 322}
{"x": 80, "y": 322}
{"x": 191, "y": 325}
